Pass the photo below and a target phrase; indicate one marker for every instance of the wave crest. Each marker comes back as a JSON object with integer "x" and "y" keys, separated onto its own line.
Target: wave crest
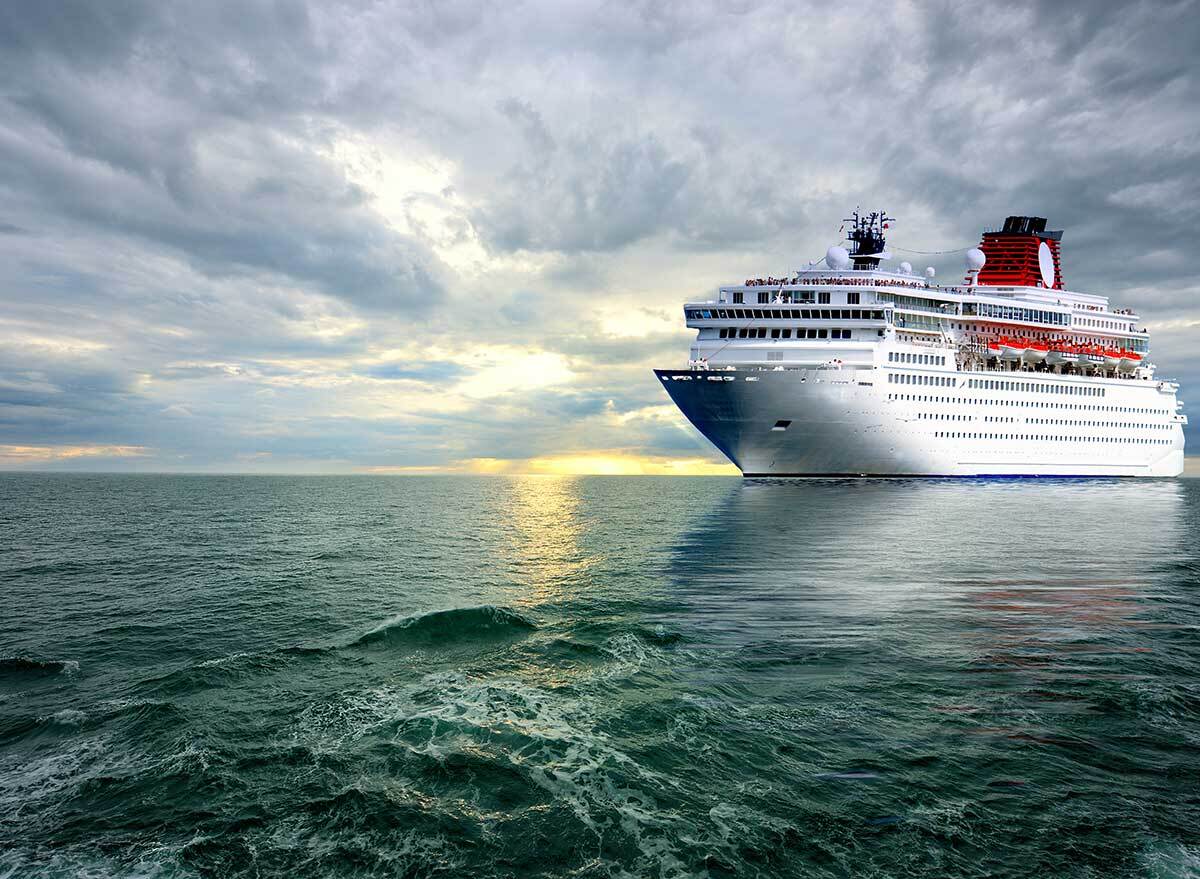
{"x": 25, "y": 665}
{"x": 456, "y": 624}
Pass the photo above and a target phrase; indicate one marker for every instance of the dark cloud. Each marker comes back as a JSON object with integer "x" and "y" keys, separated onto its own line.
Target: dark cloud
{"x": 295, "y": 235}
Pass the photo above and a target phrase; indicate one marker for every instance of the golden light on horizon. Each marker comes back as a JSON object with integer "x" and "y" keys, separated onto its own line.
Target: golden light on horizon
{"x": 579, "y": 464}
{"x": 602, "y": 464}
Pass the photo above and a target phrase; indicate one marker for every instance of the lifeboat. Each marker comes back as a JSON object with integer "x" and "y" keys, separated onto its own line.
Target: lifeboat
{"x": 1036, "y": 352}
{"x": 993, "y": 350}
{"x": 1012, "y": 349}
{"x": 1130, "y": 361}
{"x": 1059, "y": 354}
{"x": 1112, "y": 358}
{"x": 1095, "y": 358}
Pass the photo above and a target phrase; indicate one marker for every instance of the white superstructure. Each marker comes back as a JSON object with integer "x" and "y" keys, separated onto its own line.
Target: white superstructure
{"x": 847, "y": 369}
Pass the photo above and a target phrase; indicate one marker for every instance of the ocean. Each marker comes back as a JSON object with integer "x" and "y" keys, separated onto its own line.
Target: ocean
{"x": 599, "y": 676}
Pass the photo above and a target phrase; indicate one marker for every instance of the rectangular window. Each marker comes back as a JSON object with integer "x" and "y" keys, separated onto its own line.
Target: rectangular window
{"x": 764, "y": 296}
{"x": 774, "y": 355}
{"x": 852, "y": 297}
{"x": 811, "y": 334}
{"x": 787, "y": 334}
{"x": 739, "y": 297}
{"x": 823, "y": 297}
{"x": 775, "y": 334}
{"x": 822, "y": 334}
{"x": 825, "y": 314}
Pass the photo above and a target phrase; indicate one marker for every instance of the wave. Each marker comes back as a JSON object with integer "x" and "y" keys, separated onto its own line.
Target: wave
{"x": 16, "y": 666}
{"x": 457, "y": 624}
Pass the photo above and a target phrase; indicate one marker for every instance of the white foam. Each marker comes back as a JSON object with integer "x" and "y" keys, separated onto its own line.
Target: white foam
{"x": 68, "y": 717}
{"x": 222, "y": 660}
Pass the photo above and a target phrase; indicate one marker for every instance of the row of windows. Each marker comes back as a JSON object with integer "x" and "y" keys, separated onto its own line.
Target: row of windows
{"x": 906, "y": 378}
{"x": 910, "y": 357}
{"x": 1132, "y": 440}
{"x": 1011, "y": 312}
{"x": 946, "y": 416}
{"x": 1068, "y": 422}
{"x": 782, "y": 314}
{"x": 1022, "y": 404}
{"x": 1061, "y": 422}
{"x": 996, "y": 384}
{"x": 785, "y": 333}
{"x": 789, "y": 296}
{"x": 1103, "y": 324}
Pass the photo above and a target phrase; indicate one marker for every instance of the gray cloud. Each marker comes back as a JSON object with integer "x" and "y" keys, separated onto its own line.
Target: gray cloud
{"x": 289, "y": 235}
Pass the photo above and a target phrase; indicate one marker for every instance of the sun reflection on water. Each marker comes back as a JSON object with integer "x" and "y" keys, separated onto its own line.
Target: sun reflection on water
{"x": 543, "y": 549}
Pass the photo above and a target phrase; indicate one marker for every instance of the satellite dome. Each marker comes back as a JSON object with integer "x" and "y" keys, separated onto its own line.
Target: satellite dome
{"x": 930, "y": 271}
{"x": 837, "y": 257}
{"x": 1046, "y": 264}
{"x": 906, "y": 268}
{"x": 975, "y": 259}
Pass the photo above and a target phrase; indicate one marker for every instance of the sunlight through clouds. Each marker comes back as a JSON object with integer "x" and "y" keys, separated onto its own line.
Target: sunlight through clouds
{"x": 408, "y": 238}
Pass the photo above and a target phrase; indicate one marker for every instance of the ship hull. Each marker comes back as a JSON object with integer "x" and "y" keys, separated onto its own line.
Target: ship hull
{"x": 851, "y": 422}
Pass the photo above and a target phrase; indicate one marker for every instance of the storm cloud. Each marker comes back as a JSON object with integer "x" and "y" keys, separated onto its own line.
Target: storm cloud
{"x": 344, "y": 236}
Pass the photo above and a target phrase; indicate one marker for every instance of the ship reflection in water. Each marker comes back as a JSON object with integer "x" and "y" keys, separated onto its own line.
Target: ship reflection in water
{"x": 1002, "y": 560}
{"x": 926, "y": 628}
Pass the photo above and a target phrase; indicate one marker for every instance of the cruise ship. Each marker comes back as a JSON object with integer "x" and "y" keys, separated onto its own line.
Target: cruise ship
{"x": 844, "y": 368}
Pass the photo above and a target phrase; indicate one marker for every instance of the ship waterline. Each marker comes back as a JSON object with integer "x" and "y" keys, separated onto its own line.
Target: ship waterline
{"x": 856, "y": 371}
{"x": 842, "y": 422}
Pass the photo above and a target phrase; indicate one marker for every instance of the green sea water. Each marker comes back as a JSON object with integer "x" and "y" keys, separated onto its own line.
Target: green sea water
{"x": 594, "y": 677}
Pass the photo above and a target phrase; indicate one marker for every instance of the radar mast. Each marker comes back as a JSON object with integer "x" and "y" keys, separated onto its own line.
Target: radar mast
{"x": 866, "y": 238}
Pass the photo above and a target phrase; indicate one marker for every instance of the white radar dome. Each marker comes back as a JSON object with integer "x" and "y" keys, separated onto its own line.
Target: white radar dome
{"x": 906, "y": 268}
{"x": 930, "y": 271}
{"x": 975, "y": 259}
{"x": 1046, "y": 264}
{"x": 837, "y": 257}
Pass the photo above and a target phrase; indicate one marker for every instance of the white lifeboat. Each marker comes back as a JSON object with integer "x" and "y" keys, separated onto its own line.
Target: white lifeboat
{"x": 1130, "y": 361}
{"x": 1012, "y": 349}
{"x": 1059, "y": 354}
{"x": 1036, "y": 352}
{"x": 1112, "y": 358}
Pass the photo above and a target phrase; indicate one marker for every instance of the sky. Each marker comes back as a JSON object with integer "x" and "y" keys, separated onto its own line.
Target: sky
{"x": 456, "y": 236}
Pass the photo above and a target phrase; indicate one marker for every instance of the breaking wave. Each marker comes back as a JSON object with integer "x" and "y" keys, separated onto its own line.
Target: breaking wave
{"x": 457, "y": 624}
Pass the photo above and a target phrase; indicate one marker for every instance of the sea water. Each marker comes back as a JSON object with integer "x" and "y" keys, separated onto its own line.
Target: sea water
{"x": 539, "y": 676}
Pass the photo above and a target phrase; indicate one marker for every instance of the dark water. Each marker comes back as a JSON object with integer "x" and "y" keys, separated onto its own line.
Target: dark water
{"x": 206, "y": 676}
